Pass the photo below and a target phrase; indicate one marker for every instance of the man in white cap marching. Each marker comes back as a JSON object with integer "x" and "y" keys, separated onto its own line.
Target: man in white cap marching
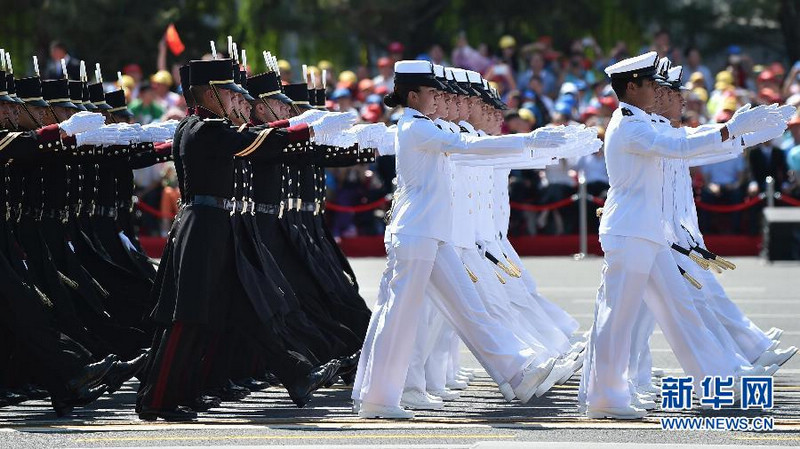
{"x": 637, "y": 257}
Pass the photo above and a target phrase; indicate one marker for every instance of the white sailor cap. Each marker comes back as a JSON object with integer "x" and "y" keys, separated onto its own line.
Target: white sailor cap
{"x": 662, "y": 71}
{"x": 462, "y": 78}
{"x": 474, "y": 77}
{"x": 441, "y": 75}
{"x": 460, "y": 75}
{"x": 637, "y": 67}
{"x": 674, "y": 77}
{"x": 416, "y": 73}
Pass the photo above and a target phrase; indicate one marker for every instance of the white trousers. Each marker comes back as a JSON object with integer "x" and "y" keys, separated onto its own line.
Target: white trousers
{"x": 529, "y": 308}
{"x": 418, "y": 262}
{"x": 415, "y": 378}
{"x": 559, "y": 316}
{"x": 440, "y": 357}
{"x": 494, "y": 298}
{"x": 631, "y": 266}
{"x": 749, "y": 338}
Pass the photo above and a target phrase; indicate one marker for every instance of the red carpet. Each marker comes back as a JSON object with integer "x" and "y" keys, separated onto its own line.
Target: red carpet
{"x": 546, "y": 245}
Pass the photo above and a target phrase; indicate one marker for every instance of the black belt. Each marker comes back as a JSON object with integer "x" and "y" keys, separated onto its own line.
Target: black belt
{"x": 32, "y": 212}
{"x": 214, "y": 201}
{"x": 105, "y": 211}
{"x": 308, "y": 207}
{"x": 56, "y": 214}
{"x": 272, "y": 209}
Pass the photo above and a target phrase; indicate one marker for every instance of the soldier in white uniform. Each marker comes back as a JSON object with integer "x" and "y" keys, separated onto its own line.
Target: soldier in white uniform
{"x": 420, "y": 225}
{"x": 692, "y": 262}
{"x": 637, "y": 257}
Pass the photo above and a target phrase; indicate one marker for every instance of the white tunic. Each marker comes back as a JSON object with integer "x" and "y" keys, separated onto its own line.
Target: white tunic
{"x": 633, "y": 157}
{"x": 425, "y": 175}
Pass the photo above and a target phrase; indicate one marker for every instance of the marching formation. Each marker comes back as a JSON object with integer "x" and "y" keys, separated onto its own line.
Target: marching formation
{"x": 252, "y": 291}
{"x": 656, "y": 267}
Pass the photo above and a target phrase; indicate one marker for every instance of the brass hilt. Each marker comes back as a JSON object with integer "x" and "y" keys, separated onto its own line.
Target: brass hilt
{"x": 471, "y": 274}
{"x": 724, "y": 263}
{"x": 508, "y": 270}
{"x": 513, "y": 266}
{"x": 692, "y": 280}
{"x": 599, "y": 212}
{"x": 500, "y": 278}
{"x": 704, "y": 264}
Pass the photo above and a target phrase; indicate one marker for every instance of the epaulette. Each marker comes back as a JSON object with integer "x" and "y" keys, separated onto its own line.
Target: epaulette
{"x": 438, "y": 125}
{"x": 422, "y": 116}
{"x": 627, "y": 112}
{"x": 463, "y": 129}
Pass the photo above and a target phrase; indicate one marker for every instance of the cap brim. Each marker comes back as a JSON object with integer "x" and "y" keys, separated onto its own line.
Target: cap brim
{"x": 79, "y": 106}
{"x": 468, "y": 89}
{"x": 89, "y": 106}
{"x": 303, "y": 105}
{"x": 38, "y": 102}
{"x": 7, "y": 99}
{"x": 229, "y": 86}
{"x": 431, "y": 82}
{"x": 64, "y": 104}
{"x": 123, "y": 113}
{"x": 280, "y": 97}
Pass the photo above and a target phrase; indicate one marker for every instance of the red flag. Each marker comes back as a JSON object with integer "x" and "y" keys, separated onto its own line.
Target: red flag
{"x": 174, "y": 41}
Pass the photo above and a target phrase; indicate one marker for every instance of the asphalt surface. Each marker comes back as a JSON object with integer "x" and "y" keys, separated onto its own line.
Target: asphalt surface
{"x": 768, "y": 293}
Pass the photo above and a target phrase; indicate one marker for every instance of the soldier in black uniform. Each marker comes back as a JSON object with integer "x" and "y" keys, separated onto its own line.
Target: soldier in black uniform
{"x": 42, "y": 353}
{"x": 209, "y": 295}
{"x": 309, "y": 237}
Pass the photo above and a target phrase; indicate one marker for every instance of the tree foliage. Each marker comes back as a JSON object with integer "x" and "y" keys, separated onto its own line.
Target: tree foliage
{"x": 351, "y": 32}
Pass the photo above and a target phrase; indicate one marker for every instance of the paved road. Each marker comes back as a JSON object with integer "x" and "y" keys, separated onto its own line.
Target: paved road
{"x": 769, "y": 294}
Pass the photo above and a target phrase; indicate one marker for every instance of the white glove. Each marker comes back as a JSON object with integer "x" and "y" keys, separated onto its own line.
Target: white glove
{"x": 81, "y": 122}
{"x": 332, "y": 123}
{"x": 746, "y": 120}
{"x": 386, "y": 142}
{"x": 159, "y": 131}
{"x": 105, "y": 135}
{"x": 128, "y": 135}
{"x": 786, "y": 112}
{"x": 547, "y": 137}
{"x": 344, "y": 139}
{"x": 307, "y": 117}
{"x": 369, "y": 135}
{"x": 765, "y": 134}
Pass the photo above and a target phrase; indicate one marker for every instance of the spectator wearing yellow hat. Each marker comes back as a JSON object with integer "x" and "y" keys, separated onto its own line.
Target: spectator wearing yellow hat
{"x": 723, "y": 89}
{"x": 161, "y": 82}
{"x": 285, "y": 71}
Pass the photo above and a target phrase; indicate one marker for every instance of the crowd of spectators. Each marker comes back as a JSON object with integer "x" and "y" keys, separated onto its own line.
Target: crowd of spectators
{"x": 543, "y": 86}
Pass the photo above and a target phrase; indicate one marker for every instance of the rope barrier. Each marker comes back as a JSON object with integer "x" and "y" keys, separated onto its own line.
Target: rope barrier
{"x": 543, "y": 207}
{"x": 146, "y": 208}
{"x": 788, "y": 200}
{"x": 728, "y": 208}
{"x": 719, "y": 208}
{"x": 356, "y": 209}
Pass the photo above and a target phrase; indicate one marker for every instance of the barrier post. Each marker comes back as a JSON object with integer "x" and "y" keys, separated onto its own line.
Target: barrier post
{"x": 582, "y": 225}
{"x": 770, "y": 191}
